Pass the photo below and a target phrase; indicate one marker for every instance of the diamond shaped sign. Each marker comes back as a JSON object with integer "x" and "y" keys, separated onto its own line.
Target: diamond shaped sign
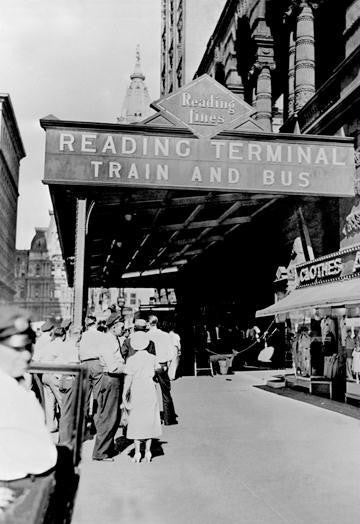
{"x": 204, "y": 106}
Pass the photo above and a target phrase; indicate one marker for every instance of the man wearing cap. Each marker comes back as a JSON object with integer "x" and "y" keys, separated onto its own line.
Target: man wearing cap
{"x": 110, "y": 390}
{"x": 46, "y": 336}
{"x": 165, "y": 353}
{"x": 89, "y": 356}
{"x": 51, "y": 353}
{"x": 26, "y": 447}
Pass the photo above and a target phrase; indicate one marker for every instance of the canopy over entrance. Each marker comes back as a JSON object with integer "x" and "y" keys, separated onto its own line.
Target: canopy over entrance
{"x": 143, "y": 201}
{"x": 335, "y": 294}
{"x": 138, "y": 236}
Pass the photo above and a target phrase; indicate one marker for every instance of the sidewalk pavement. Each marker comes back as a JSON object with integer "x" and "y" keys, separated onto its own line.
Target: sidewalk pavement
{"x": 240, "y": 455}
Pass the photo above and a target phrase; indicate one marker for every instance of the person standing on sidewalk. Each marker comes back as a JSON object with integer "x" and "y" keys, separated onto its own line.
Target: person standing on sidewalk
{"x": 70, "y": 355}
{"x": 50, "y": 354}
{"x": 89, "y": 357}
{"x": 174, "y": 364}
{"x": 110, "y": 390}
{"x": 26, "y": 447}
{"x": 165, "y": 353}
{"x": 144, "y": 413}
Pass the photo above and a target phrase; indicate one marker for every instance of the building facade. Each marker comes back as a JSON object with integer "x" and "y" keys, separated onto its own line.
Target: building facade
{"x": 297, "y": 63}
{"x": 185, "y": 28}
{"x": 11, "y": 152}
{"x": 40, "y": 278}
{"x": 297, "y": 58}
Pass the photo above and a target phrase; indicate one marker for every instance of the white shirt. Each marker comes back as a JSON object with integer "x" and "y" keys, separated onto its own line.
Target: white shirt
{"x": 50, "y": 352}
{"x": 25, "y": 442}
{"x": 90, "y": 343}
{"x": 40, "y": 343}
{"x": 175, "y": 338}
{"x": 69, "y": 353}
{"x": 110, "y": 355}
{"x": 164, "y": 347}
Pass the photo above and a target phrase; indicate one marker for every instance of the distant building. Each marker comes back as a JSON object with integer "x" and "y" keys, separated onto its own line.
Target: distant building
{"x": 185, "y": 29}
{"x": 40, "y": 278}
{"x": 136, "y": 106}
{"x": 100, "y": 299}
{"x": 11, "y": 152}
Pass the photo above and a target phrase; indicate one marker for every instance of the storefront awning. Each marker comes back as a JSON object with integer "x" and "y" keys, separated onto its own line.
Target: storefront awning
{"x": 341, "y": 293}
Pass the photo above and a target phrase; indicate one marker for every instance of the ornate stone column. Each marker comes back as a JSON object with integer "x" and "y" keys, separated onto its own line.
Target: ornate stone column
{"x": 304, "y": 54}
{"x": 291, "y": 75}
{"x": 263, "y": 66}
{"x": 264, "y": 96}
{"x": 79, "y": 263}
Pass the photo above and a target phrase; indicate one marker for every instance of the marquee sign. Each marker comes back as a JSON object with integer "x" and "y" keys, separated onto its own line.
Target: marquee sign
{"x": 154, "y": 157}
{"x": 336, "y": 266}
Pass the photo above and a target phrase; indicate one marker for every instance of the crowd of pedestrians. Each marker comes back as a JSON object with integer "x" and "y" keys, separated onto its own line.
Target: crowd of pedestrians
{"x": 126, "y": 368}
{"x": 128, "y": 374}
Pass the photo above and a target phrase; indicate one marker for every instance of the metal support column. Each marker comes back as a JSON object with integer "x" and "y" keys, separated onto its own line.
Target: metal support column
{"x": 80, "y": 234}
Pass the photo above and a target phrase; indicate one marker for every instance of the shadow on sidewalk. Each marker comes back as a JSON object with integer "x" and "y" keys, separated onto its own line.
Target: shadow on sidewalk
{"x": 316, "y": 400}
{"x": 122, "y": 444}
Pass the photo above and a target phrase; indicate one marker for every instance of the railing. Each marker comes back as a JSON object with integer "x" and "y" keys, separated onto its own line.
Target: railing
{"x": 49, "y": 498}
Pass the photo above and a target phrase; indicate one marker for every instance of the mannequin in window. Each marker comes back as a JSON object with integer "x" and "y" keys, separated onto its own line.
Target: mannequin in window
{"x": 349, "y": 348}
{"x": 356, "y": 357}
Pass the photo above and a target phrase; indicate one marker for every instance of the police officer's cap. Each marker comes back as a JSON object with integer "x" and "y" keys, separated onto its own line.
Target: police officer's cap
{"x": 66, "y": 323}
{"x": 47, "y": 326}
{"x": 15, "y": 327}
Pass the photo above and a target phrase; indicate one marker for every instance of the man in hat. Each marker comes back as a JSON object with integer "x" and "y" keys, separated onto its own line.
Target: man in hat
{"x": 46, "y": 336}
{"x": 90, "y": 358}
{"x": 165, "y": 353}
{"x": 110, "y": 390}
{"x": 51, "y": 353}
{"x": 26, "y": 447}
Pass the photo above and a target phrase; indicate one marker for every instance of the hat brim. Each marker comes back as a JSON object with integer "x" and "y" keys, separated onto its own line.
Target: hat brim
{"x": 139, "y": 340}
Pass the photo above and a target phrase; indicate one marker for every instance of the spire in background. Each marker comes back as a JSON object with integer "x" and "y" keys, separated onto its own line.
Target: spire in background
{"x": 136, "y": 106}
{"x": 137, "y": 69}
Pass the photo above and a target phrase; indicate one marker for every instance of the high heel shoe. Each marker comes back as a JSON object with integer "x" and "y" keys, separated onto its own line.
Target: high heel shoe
{"x": 137, "y": 457}
{"x": 148, "y": 456}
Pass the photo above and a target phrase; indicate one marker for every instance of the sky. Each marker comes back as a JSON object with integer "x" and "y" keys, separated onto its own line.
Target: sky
{"x": 72, "y": 59}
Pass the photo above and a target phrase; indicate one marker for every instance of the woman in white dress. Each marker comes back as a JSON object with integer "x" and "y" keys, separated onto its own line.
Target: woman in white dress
{"x": 144, "y": 413}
